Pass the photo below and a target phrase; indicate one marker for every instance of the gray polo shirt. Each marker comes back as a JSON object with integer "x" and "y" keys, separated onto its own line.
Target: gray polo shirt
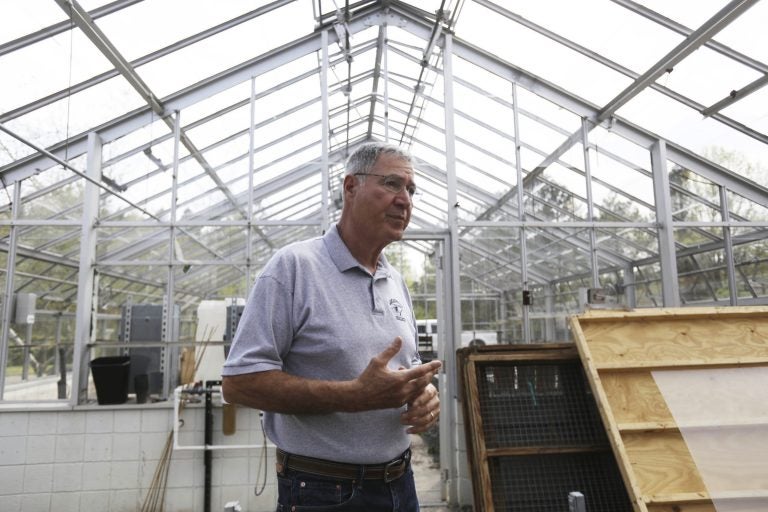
{"x": 315, "y": 312}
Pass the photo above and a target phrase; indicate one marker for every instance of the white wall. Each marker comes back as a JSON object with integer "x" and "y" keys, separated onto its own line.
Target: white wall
{"x": 103, "y": 458}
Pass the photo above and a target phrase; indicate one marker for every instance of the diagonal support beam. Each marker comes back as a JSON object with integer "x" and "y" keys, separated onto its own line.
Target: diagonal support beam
{"x": 735, "y": 96}
{"x": 715, "y": 24}
{"x": 83, "y": 20}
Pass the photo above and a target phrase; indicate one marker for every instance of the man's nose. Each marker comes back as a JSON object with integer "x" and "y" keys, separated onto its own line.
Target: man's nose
{"x": 404, "y": 196}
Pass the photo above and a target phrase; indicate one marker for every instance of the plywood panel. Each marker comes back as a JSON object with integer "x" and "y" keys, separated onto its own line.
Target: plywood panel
{"x": 634, "y": 398}
{"x": 668, "y": 465}
{"x": 662, "y": 463}
{"x": 682, "y": 507}
{"x": 659, "y": 341}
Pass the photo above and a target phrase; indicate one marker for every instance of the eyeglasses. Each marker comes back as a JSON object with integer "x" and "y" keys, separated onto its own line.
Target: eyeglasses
{"x": 394, "y": 184}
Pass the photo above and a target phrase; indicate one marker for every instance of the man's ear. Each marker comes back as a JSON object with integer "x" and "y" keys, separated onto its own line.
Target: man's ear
{"x": 351, "y": 183}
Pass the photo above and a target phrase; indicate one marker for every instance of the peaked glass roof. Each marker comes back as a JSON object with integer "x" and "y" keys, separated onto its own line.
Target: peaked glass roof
{"x": 541, "y": 132}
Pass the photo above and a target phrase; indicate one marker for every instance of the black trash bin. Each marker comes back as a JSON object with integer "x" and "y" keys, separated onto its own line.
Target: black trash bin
{"x": 110, "y": 376}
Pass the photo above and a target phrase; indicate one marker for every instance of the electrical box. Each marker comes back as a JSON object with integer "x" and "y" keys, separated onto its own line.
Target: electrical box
{"x": 596, "y": 296}
{"x": 25, "y": 308}
{"x": 234, "y": 313}
{"x": 145, "y": 323}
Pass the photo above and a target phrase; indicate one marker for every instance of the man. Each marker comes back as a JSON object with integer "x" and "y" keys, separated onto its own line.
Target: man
{"x": 326, "y": 346}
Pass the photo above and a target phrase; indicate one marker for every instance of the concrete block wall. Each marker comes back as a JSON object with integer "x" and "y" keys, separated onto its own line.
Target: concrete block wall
{"x": 103, "y": 458}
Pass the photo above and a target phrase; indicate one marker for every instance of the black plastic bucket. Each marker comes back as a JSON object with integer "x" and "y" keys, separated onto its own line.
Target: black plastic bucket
{"x": 110, "y": 376}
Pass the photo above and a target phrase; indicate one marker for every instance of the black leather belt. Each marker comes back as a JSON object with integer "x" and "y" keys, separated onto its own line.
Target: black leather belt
{"x": 387, "y": 472}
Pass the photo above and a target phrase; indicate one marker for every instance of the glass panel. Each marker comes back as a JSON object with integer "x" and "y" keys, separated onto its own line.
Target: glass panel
{"x": 216, "y": 53}
{"x": 750, "y": 257}
{"x": 703, "y": 277}
{"x": 694, "y": 198}
{"x": 490, "y": 286}
{"x": 41, "y": 330}
{"x": 200, "y": 244}
{"x": 551, "y": 61}
{"x": 743, "y": 209}
{"x": 27, "y": 17}
{"x": 60, "y": 62}
{"x": 421, "y": 276}
{"x": 132, "y": 243}
{"x": 60, "y": 202}
{"x": 78, "y": 112}
{"x": 630, "y": 244}
{"x": 648, "y": 285}
{"x": 549, "y": 200}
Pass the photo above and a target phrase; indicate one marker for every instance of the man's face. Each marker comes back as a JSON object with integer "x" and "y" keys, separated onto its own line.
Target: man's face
{"x": 382, "y": 214}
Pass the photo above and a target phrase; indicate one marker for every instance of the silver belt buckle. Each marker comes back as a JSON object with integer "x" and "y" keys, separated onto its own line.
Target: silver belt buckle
{"x": 388, "y": 470}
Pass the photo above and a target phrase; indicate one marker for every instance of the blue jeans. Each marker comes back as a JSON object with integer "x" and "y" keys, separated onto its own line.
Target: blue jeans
{"x": 298, "y": 491}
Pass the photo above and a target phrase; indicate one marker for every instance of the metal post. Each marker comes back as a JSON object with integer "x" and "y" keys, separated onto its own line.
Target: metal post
{"x": 521, "y": 216}
{"x": 207, "y": 454}
{"x": 449, "y": 429}
{"x": 208, "y": 436}
{"x": 26, "y": 349}
{"x": 169, "y": 310}
{"x": 251, "y": 156}
{"x": 9, "y": 279}
{"x": 550, "y": 331}
{"x": 385, "y": 72}
{"x": 60, "y": 366}
{"x": 86, "y": 274}
{"x": 730, "y": 265}
{"x": 670, "y": 288}
{"x": 629, "y": 286}
{"x": 590, "y": 204}
{"x": 325, "y": 136}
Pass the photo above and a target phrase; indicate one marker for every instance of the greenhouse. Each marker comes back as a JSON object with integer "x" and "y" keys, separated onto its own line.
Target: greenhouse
{"x": 607, "y": 155}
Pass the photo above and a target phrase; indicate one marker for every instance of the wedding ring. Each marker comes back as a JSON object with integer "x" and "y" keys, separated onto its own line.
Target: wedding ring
{"x": 431, "y": 415}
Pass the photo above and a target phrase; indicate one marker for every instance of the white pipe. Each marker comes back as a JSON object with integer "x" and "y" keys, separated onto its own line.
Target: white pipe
{"x": 176, "y": 446}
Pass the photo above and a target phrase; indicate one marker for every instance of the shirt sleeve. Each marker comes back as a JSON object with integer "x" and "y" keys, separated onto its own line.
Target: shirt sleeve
{"x": 265, "y": 331}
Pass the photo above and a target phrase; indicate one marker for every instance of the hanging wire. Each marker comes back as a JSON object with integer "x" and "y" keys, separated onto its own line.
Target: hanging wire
{"x": 69, "y": 80}
{"x": 258, "y": 491}
{"x": 421, "y": 78}
{"x": 348, "y": 56}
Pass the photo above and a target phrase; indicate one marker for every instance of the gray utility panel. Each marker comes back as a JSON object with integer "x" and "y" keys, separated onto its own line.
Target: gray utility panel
{"x": 145, "y": 323}
{"x": 234, "y": 312}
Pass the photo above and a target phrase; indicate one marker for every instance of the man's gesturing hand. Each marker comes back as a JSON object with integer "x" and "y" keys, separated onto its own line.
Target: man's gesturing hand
{"x": 378, "y": 387}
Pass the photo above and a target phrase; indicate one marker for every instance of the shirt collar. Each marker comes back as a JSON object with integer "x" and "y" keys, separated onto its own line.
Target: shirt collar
{"x": 343, "y": 259}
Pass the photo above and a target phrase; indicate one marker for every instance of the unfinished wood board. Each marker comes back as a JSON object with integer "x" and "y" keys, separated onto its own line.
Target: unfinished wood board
{"x": 533, "y": 431}
{"x": 682, "y": 394}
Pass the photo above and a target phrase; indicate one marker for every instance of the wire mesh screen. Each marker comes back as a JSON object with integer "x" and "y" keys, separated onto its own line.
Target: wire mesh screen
{"x": 534, "y": 432}
{"x": 537, "y": 404}
{"x": 537, "y": 483}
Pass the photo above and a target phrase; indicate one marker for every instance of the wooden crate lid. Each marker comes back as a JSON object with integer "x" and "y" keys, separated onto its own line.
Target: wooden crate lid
{"x": 683, "y": 393}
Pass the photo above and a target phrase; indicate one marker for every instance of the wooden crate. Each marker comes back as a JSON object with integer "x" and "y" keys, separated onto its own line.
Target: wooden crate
{"x": 683, "y": 395}
{"x": 533, "y": 431}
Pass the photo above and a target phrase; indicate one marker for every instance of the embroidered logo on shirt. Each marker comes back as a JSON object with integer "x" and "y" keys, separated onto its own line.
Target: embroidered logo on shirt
{"x": 397, "y": 309}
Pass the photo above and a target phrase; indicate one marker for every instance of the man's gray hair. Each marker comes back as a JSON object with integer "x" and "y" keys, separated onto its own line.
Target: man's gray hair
{"x": 364, "y": 157}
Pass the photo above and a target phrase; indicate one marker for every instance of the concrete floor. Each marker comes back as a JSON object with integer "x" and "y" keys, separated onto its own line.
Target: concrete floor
{"x": 427, "y": 475}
